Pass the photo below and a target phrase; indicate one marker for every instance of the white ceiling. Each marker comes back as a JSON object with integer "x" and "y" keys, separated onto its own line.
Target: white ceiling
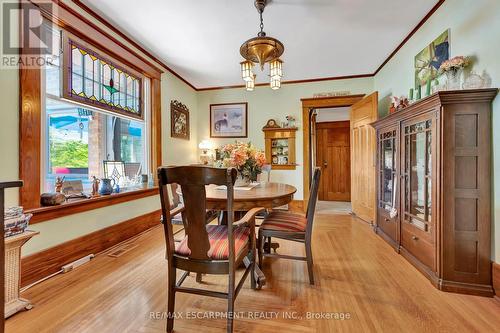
{"x": 200, "y": 39}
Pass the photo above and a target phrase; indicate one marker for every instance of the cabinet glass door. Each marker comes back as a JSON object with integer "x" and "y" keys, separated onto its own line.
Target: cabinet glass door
{"x": 417, "y": 174}
{"x": 387, "y": 169}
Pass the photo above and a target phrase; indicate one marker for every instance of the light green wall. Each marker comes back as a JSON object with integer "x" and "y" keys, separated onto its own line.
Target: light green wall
{"x": 59, "y": 230}
{"x": 178, "y": 151}
{"x": 265, "y": 103}
{"x": 474, "y": 30}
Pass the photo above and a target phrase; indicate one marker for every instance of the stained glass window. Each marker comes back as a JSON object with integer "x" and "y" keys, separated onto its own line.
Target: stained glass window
{"x": 96, "y": 81}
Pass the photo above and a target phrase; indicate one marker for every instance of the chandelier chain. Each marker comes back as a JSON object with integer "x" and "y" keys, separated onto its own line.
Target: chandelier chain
{"x": 261, "y": 23}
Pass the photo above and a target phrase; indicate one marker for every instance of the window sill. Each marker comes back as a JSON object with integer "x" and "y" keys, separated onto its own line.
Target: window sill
{"x": 42, "y": 214}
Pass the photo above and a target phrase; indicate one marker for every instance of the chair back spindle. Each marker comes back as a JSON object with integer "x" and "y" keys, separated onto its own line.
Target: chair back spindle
{"x": 313, "y": 198}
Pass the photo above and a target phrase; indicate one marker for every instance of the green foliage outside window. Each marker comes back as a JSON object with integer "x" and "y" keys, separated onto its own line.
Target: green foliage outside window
{"x": 69, "y": 154}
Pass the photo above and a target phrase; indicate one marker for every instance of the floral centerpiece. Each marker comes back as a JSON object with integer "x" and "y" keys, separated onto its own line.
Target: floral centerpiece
{"x": 245, "y": 157}
{"x": 453, "y": 68}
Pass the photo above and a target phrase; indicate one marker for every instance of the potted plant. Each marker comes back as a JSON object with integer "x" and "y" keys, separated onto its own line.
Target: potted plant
{"x": 246, "y": 158}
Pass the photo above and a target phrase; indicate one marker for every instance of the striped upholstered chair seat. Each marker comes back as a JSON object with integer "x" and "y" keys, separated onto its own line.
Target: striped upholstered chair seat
{"x": 284, "y": 221}
{"x": 217, "y": 236}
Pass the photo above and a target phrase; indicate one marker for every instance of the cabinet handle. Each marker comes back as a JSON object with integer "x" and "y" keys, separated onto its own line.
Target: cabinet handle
{"x": 414, "y": 238}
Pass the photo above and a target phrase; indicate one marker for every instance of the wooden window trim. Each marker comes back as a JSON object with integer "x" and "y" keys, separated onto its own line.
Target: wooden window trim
{"x": 67, "y": 40}
{"x": 42, "y": 214}
{"x": 30, "y": 118}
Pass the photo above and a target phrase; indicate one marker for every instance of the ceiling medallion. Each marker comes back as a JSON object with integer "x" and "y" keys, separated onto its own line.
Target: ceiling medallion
{"x": 261, "y": 50}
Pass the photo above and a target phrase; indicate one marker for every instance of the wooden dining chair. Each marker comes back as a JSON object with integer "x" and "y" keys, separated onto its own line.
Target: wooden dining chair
{"x": 206, "y": 249}
{"x": 293, "y": 227}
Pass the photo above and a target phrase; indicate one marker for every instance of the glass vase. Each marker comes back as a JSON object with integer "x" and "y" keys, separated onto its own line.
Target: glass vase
{"x": 453, "y": 79}
{"x": 241, "y": 181}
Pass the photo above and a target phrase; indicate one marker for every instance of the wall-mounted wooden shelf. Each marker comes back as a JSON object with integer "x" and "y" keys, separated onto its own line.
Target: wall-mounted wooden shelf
{"x": 280, "y": 147}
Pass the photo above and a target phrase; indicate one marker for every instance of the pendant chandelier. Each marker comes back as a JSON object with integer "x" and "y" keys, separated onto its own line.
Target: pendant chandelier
{"x": 261, "y": 50}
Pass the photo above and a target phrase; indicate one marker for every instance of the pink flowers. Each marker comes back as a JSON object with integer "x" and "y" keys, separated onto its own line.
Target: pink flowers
{"x": 454, "y": 64}
{"x": 247, "y": 159}
{"x": 239, "y": 156}
{"x": 260, "y": 157}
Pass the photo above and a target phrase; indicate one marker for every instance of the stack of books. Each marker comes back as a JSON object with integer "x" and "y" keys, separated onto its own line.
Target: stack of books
{"x": 15, "y": 221}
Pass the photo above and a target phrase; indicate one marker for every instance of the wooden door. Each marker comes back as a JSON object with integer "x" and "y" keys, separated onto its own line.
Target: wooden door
{"x": 333, "y": 156}
{"x": 363, "y": 157}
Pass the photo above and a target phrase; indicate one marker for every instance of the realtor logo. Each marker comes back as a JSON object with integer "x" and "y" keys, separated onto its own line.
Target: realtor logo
{"x": 25, "y": 39}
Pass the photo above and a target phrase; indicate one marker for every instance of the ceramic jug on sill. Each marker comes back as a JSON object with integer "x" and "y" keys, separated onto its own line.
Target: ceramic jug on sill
{"x": 107, "y": 186}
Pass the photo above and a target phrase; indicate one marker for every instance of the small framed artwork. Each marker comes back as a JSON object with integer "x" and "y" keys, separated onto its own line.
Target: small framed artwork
{"x": 179, "y": 120}
{"x": 229, "y": 120}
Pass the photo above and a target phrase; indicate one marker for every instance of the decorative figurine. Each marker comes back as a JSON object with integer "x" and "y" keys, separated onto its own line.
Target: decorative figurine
{"x": 95, "y": 186}
{"x": 59, "y": 184}
{"x": 398, "y": 103}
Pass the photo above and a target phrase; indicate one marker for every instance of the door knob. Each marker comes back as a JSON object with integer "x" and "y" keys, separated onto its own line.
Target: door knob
{"x": 325, "y": 164}
{"x": 414, "y": 238}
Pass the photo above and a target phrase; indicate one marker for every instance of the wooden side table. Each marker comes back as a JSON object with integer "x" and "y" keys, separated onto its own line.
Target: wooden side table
{"x": 13, "y": 244}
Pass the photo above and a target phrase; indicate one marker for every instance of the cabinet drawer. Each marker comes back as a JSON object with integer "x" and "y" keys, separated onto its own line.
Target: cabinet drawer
{"x": 418, "y": 246}
{"x": 387, "y": 224}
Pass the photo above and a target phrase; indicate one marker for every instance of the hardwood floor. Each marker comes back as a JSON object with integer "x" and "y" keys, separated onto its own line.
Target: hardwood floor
{"x": 356, "y": 273}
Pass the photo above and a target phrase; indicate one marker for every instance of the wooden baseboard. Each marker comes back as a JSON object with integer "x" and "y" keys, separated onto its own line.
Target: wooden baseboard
{"x": 495, "y": 267}
{"x": 41, "y": 264}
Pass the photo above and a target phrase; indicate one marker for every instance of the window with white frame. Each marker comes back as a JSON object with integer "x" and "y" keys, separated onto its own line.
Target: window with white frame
{"x": 105, "y": 121}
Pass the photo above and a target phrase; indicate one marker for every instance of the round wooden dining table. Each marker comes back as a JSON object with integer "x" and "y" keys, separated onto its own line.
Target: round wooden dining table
{"x": 267, "y": 195}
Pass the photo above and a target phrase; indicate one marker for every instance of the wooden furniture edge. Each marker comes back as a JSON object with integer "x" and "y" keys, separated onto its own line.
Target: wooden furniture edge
{"x": 283, "y": 129}
{"x": 41, "y": 264}
{"x": 495, "y": 267}
{"x": 42, "y": 214}
{"x": 445, "y": 97}
{"x": 11, "y": 184}
{"x": 4, "y": 185}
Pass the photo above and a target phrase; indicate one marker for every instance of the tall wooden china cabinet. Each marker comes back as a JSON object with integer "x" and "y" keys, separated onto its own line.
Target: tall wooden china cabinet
{"x": 434, "y": 187}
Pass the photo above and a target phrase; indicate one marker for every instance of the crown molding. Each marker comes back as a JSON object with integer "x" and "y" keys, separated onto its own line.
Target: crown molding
{"x": 123, "y": 35}
{"x": 417, "y": 27}
{"x": 332, "y": 78}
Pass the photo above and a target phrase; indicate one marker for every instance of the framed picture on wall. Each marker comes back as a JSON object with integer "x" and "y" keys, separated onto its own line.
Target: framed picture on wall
{"x": 428, "y": 61}
{"x": 229, "y": 120}
{"x": 179, "y": 120}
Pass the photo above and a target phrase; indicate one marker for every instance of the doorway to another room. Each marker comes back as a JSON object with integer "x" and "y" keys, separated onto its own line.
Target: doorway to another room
{"x": 338, "y": 139}
{"x": 331, "y": 153}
